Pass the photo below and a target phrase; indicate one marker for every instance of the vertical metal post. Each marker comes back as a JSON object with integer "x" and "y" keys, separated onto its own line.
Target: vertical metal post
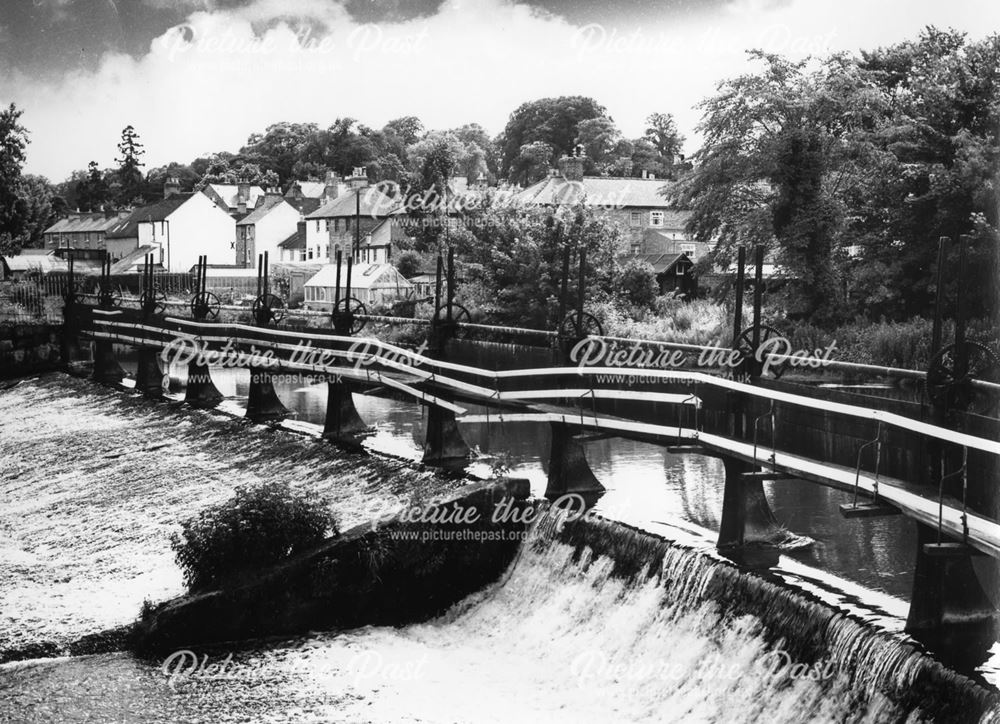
{"x": 939, "y": 296}
{"x": 350, "y": 265}
{"x": 564, "y": 285}
{"x": 741, "y": 263}
{"x": 357, "y": 224}
{"x": 451, "y": 281}
{"x": 758, "y": 290}
{"x": 437, "y": 284}
{"x": 336, "y": 291}
{"x": 582, "y": 291}
{"x": 961, "y": 313}
{"x": 267, "y": 285}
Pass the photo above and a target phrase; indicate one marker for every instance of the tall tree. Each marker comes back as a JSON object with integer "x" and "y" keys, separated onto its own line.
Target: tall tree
{"x": 661, "y": 131}
{"x": 13, "y": 206}
{"x": 554, "y": 121}
{"x": 129, "y": 175}
{"x": 93, "y": 191}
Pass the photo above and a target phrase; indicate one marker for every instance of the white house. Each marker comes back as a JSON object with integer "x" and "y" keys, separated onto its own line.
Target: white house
{"x": 179, "y": 229}
{"x": 263, "y": 229}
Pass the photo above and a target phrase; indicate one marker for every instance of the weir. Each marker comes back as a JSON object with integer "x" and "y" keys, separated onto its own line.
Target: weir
{"x": 762, "y": 427}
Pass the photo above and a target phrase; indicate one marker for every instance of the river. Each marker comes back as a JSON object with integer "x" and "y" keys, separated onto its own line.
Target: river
{"x": 94, "y": 482}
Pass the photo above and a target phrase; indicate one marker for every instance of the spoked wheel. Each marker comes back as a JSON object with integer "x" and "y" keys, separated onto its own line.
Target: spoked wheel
{"x": 459, "y": 315}
{"x": 349, "y": 315}
{"x": 744, "y": 344}
{"x": 578, "y": 326}
{"x": 268, "y": 309}
{"x": 152, "y": 301}
{"x": 205, "y": 306}
{"x": 948, "y": 385}
{"x": 108, "y": 298}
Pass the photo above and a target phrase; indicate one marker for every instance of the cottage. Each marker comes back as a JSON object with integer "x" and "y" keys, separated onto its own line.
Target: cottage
{"x": 637, "y": 204}
{"x": 373, "y": 284}
{"x": 265, "y": 228}
{"x": 355, "y": 219}
{"x": 179, "y": 228}
{"x": 83, "y": 233}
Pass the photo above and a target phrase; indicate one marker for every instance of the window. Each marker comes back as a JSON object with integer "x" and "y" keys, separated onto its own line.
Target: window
{"x": 310, "y": 253}
{"x": 336, "y": 224}
{"x": 656, "y": 218}
{"x": 326, "y": 251}
{"x": 347, "y": 224}
{"x": 321, "y": 294}
{"x": 691, "y": 250}
{"x": 317, "y": 224}
{"x": 636, "y": 248}
{"x": 635, "y": 218}
{"x": 327, "y": 224}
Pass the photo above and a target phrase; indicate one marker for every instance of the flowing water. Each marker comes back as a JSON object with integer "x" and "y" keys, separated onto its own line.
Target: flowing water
{"x": 93, "y": 483}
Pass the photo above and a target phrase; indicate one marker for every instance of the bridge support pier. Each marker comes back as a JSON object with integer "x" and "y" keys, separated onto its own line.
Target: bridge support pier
{"x": 200, "y": 390}
{"x": 747, "y": 518}
{"x": 443, "y": 443}
{"x": 263, "y": 404}
{"x": 106, "y": 367}
{"x": 343, "y": 424}
{"x": 569, "y": 471}
{"x": 950, "y": 613}
{"x": 148, "y": 378}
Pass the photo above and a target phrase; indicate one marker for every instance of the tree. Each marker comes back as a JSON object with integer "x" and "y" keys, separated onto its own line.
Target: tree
{"x": 663, "y": 134}
{"x": 129, "y": 175}
{"x": 638, "y": 283}
{"x": 280, "y": 147}
{"x": 38, "y": 196}
{"x": 14, "y": 210}
{"x": 532, "y": 163}
{"x": 512, "y": 259}
{"x": 93, "y": 191}
{"x": 553, "y": 121}
{"x": 601, "y": 141}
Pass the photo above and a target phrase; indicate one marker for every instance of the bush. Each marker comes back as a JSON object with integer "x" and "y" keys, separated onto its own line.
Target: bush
{"x": 260, "y": 526}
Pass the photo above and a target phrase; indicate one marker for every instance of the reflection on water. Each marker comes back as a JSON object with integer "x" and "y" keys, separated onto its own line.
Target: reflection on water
{"x": 483, "y": 662}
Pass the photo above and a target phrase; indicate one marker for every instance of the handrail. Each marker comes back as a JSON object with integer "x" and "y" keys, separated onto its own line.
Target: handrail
{"x": 421, "y": 361}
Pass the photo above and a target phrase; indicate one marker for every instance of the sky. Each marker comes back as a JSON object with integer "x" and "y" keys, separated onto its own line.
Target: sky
{"x": 199, "y": 76}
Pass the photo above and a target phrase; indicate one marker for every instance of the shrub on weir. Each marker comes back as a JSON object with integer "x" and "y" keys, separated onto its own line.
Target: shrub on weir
{"x": 259, "y": 526}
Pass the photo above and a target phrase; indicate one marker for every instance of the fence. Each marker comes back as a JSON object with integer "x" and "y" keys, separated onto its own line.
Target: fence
{"x": 31, "y": 301}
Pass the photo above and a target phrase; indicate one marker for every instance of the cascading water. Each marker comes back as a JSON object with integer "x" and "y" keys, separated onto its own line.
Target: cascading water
{"x": 594, "y": 621}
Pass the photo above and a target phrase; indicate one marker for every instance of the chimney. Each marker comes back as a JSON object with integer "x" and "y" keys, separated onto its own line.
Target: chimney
{"x": 645, "y": 173}
{"x": 358, "y": 179}
{"x": 241, "y": 207}
{"x": 571, "y": 167}
{"x": 243, "y": 194}
{"x": 171, "y": 187}
{"x": 332, "y": 186}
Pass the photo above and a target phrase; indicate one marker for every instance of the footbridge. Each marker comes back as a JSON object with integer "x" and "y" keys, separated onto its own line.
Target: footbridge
{"x": 936, "y": 461}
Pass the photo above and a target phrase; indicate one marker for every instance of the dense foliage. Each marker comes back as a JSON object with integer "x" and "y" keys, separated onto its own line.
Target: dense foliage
{"x": 258, "y": 527}
{"x": 850, "y": 169}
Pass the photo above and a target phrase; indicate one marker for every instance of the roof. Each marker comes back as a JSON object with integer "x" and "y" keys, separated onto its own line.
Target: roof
{"x": 133, "y": 260}
{"x": 381, "y": 235}
{"x": 261, "y": 210}
{"x": 128, "y": 227}
{"x": 228, "y": 195}
{"x": 372, "y": 201}
{"x": 309, "y": 189}
{"x": 35, "y": 262}
{"x": 664, "y": 262}
{"x": 599, "y": 191}
{"x": 363, "y": 276}
{"x": 84, "y": 223}
{"x": 295, "y": 240}
{"x": 304, "y": 205}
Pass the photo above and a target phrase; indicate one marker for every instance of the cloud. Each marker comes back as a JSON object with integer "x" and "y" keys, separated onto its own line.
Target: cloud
{"x": 226, "y": 72}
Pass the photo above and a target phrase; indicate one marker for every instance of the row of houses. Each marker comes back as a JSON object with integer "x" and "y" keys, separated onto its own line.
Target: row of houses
{"x": 312, "y": 220}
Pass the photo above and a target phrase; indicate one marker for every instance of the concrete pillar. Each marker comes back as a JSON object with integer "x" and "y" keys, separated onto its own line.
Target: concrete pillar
{"x": 263, "y": 404}
{"x": 443, "y": 443}
{"x": 569, "y": 471}
{"x": 746, "y": 515}
{"x": 148, "y": 378}
{"x": 106, "y": 367}
{"x": 343, "y": 424}
{"x": 950, "y": 613}
{"x": 200, "y": 390}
